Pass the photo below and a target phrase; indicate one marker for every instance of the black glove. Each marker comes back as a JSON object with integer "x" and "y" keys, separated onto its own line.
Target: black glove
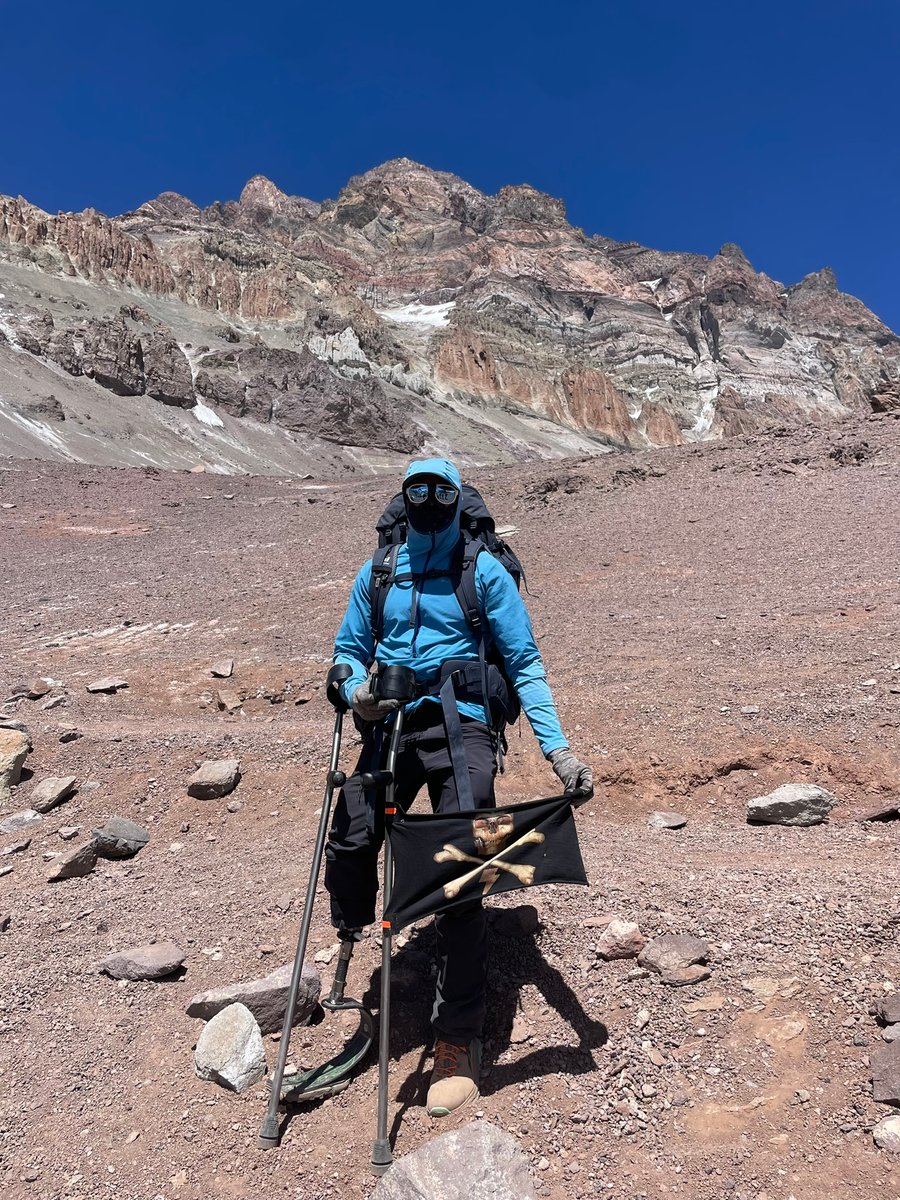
{"x": 577, "y": 778}
{"x": 364, "y": 703}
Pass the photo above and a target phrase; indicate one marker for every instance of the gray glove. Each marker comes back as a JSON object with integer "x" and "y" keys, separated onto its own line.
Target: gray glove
{"x": 574, "y": 775}
{"x": 364, "y": 703}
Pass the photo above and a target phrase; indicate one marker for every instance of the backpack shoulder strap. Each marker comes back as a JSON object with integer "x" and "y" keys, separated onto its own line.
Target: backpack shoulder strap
{"x": 466, "y": 592}
{"x": 384, "y": 569}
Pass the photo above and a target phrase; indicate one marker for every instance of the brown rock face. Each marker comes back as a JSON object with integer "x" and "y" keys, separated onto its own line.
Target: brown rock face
{"x": 413, "y": 303}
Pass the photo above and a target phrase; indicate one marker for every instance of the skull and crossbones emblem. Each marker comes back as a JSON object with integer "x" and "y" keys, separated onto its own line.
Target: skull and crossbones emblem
{"x": 491, "y": 836}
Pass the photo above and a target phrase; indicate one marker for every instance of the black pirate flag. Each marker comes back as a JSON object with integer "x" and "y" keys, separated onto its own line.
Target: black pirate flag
{"x": 442, "y": 860}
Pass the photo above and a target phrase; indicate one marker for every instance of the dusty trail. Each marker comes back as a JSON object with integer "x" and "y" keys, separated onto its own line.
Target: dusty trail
{"x": 670, "y": 590}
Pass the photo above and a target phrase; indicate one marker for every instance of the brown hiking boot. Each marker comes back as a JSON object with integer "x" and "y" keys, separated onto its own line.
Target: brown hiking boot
{"x": 454, "y": 1080}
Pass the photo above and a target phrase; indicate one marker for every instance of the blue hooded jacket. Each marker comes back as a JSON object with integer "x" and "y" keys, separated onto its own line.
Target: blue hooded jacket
{"x": 423, "y": 635}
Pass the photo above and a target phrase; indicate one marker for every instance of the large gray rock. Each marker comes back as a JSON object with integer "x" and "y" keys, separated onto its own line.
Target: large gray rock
{"x": 20, "y": 820}
{"x": 887, "y": 1009}
{"x": 477, "y": 1162}
{"x": 215, "y": 778}
{"x": 885, "y": 1066}
{"x": 792, "y": 804}
{"x": 154, "y": 961}
{"x": 887, "y": 1134}
{"x": 52, "y": 791}
{"x": 120, "y": 838}
{"x": 80, "y": 861}
{"x": 230, "y": 1050}
{"x": 266, "y": 998}
{"x": 678, "y": 958}
{"x": 14, "y": 747}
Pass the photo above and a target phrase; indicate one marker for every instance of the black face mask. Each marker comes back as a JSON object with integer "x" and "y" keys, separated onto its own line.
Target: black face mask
{"x": 430, "y": 517}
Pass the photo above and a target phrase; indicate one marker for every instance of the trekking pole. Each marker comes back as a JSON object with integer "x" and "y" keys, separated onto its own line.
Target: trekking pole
{"x": 269, "y": 1137}
{"x": 395, "y": 685}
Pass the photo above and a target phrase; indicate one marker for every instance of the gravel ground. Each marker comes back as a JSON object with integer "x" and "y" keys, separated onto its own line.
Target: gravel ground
{"x": 669, "y": 591}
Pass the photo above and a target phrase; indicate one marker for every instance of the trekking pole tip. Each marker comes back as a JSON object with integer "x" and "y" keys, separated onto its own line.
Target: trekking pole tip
{"x": 381, "y": 1156}
{"x": 267, "y": 1138}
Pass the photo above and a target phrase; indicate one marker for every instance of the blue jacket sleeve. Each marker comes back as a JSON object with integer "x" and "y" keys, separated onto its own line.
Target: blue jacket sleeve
{"x": 510, "y": 627}
{"x": 353, "y": 644}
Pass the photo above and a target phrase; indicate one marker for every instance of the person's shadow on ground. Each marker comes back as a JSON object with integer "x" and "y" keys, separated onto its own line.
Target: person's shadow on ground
{"x": 515, "y": 960}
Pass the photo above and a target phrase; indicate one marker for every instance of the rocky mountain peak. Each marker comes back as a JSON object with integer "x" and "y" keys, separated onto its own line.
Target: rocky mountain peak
{"x": 818, "y": 281}
{"x": 525, "y": 203}
{"x": 171, "y": 206}
{"x": 733, "y": 252}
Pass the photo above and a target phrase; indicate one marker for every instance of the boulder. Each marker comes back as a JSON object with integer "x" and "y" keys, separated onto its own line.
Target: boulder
{"x": 108, "y": 684}
{"x": 230, "y": 1050}
{"x": 667, "y": 820}
{"x": 265, "y": 998}
{"x": 153, "y": 961}
{"x": 792, "y": 804}
{"x": 678, "y": 958}
{"x": 120, "y": 838}
{"x": 620, "y": 939}
{"x": 80, "y": 861}
{"x": 14, "y": 748}
{"x": 20, "y": 820}
{"x": 476, "y": 1162}
{"x": 52, "y": 791}
{"x": 215, "y": 778}
{"x": 885, "y": 1067}
{"x": 887, "y": 1134}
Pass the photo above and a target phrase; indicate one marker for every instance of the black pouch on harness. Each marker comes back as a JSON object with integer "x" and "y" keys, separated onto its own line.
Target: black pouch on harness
{"x": 502, "y": 702}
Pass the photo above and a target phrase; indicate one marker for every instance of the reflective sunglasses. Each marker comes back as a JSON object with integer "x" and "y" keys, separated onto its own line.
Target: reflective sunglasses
{"x": 444, "y": 493}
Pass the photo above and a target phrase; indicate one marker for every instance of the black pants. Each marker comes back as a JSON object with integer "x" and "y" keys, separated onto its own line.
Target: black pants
{"x": 351, "y": 866}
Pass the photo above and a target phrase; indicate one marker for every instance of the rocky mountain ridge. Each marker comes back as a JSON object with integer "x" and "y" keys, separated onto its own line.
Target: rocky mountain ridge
{"x": 412, "y": 313}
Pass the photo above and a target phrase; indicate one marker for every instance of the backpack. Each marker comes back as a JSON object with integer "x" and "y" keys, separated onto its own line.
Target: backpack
{"x": 479, "y": 535}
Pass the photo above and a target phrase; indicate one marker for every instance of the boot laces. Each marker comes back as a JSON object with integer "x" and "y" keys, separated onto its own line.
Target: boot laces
{"x": 446, "y": 1059}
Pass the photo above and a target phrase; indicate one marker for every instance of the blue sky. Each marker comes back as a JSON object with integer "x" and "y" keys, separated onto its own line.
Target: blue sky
{"x": 682, "y": 126}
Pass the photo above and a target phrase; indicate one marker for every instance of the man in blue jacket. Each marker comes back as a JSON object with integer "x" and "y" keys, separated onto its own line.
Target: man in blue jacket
{"x": 424, "y": 627}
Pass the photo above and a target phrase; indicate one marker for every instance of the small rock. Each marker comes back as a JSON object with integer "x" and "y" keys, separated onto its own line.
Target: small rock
{"x": 889, "y": 810}
{"x": 792, "y": 804}
{"x": 37, "y": 689}
{"x": 885, "y": 1067}
{"x": 108, "y": 684}
{"x": 642, "y": 1020}
{"x": 324, "y": 957}
{"x": 70, "y": 735}
{"x": 600, "y": 921}
{"x": 477, "y": 1160}
{"x": 120, "y": 838}
{"x": 891, "y": 1033}
{"x": 750, "y": 710}
{"x": 67, "y": 832}
{"x": 5, "y": 919}
{"x": 678, "y": 958}
{"x": 20, "y": 820}
{"x": 53, "y": 702}
{"x": 14, "y": 748}
{"x": 283, "y": 902}
{"x": 234, "y": 806}
{"x": 667, "y": 820}
{"x": 16, "y": 847}
{"x": 5, "y": 871}
{"x": 887, "y": 1009}
{"x": 520, "y": 1031}
{"x": 223, "y": 669}
{"x": 52, "y": 791}
{"x": 153, "y": 961}
{"x": 887, "y": 1134}
{"x": 215, "y": 778}
{"x": 228, "y": 701}
{"x": 230, "y": 1050}
{"x": 266, "y": 998}
{"x": 80, "y": 861}
{"x": 521, "y": 921}
{"x": 620, "y": 939}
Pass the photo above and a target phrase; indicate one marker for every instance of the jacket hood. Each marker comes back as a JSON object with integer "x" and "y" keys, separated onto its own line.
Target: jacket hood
{"x": 437, "y": 549}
